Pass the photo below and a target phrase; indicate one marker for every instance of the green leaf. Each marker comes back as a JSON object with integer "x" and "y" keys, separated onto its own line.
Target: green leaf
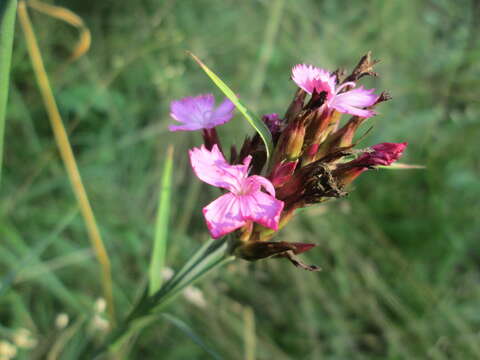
{"x": 161, "y": 225}
{"x": 257, "y": 123}
{"x": 7, "y": 26}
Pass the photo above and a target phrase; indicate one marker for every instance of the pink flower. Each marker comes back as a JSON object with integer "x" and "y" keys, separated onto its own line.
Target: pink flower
{"x": 313, "y": 79}
{"x": 245, "y": 202}
{"x": 199, "y": 112}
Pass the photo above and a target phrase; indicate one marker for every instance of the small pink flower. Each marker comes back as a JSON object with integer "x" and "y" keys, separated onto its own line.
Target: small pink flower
{"x": 245, "y": 202}
{"x": 311, "y": 78}
{"x": 199, "y": 112}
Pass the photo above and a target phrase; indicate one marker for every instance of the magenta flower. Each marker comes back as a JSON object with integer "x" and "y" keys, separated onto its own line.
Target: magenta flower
{"x": 244, "y": 203}
{"x": 199, "y": 112}
{"x": 313, "y": 79}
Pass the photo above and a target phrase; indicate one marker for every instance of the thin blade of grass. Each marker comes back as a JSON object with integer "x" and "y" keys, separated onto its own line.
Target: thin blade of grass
{"x": 187, "y": 330}
{"x": 37, "y": 250}
{"x": 161, "y": 226}
{"x": 7, "y": 26}
{"x": 257, "y": 123}
{"x": 66, "y": 152}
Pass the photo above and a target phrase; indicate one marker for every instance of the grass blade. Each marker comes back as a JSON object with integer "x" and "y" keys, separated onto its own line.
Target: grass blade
{"x": 7, "y": 27}
{"x": 66, "y": 152}
{"x": 161, "y": 225}
{"x": 257, "y": 123}
{"x": 187, "y": 330}
{"x": 36, "y": 251}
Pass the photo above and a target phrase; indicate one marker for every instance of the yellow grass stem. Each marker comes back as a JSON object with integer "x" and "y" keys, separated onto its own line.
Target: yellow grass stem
{"x": 66, "y": 153}
{"x": 71, "y": 18}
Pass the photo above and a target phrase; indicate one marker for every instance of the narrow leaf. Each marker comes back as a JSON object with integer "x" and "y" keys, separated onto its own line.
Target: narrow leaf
{"x": 7, "y": 280}
{"x": 161, "y": 225}
{"x": 257, "y": 123}
{"x": 181, "y": 325}
{"x": 7, "y": 26}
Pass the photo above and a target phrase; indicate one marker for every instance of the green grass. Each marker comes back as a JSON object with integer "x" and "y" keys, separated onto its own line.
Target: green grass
{"x": 400, "y": 254}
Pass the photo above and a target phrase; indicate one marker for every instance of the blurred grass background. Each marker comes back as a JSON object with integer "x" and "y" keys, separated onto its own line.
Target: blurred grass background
{"x": 400, "y": 254}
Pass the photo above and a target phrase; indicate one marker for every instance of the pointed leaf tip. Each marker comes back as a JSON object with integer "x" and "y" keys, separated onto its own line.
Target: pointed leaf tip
{"x": 254, "y": 121}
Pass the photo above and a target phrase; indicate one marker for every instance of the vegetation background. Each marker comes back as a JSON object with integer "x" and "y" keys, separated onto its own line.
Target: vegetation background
{"x": 400, "y": 255}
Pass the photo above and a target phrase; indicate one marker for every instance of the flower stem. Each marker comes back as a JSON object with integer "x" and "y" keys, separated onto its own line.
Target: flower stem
{"x": 210, "y": 256}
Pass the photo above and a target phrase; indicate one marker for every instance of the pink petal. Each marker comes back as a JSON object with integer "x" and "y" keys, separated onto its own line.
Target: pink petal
{"x": 222, "y": 113}
{"x": 261, "y": 181}
{"x": 198, "y": 112}
{"x": 310, "y": 78}
{"x": 261, "y": 208}
{"x": 212, "y": 168}
{"x": 188, "y": 127}
{"x": 352, "y": 102}
{"x": 223, "y": 215}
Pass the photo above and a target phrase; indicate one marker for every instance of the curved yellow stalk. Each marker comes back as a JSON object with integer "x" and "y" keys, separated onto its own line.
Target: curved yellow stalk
{"x": 69, "y": 17}
{"x": 66, "y": 153}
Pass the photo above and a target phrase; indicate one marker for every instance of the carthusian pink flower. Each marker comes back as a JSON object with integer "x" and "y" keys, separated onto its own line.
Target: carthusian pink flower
{"x": 199, "y": 112}
{"x": 245, "y": 202}
{"x": 313, "y": 79}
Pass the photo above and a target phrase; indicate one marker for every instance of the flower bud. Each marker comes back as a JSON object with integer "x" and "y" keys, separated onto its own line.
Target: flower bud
{"x": 295, "y": 106}
{"x": 341, "y": 138}
{"x": 290, "y": 144}
{"x": 273, "y": 122}
{"x": 282, "y": 172}
{"x": 383, "y": 154}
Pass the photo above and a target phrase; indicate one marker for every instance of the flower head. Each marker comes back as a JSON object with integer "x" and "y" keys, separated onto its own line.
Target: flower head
{"x": 245, "y": 201}
{"x": 199, "y": 112}
{"x": 313, "y": 79}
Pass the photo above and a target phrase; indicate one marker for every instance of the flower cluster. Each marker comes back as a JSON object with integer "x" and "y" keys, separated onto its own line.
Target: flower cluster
{"x": 314, "y": 159}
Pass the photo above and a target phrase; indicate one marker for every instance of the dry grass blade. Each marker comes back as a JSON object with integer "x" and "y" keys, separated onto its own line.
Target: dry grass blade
{"x": 71, "y": 18}
{"x": 66, "y": 153}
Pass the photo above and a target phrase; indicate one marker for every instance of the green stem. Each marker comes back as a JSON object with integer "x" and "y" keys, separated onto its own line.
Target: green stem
{"x": 212, "y": 255}
{"x": 7, "y": 27}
